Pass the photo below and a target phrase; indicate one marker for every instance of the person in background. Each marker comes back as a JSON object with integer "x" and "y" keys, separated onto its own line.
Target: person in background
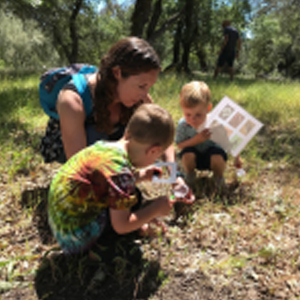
{"x": 193, "y": 137}
{"x": 230, "y": 49}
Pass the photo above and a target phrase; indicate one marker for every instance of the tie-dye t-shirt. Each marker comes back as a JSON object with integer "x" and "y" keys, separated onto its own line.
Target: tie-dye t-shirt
{"x": 96, "y": 178}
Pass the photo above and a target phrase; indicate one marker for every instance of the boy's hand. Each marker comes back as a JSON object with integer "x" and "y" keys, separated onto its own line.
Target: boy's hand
{"x": 148, "y": 173}
{"x": 189, "y": 198}
{"x": 204, "y": 135}
{"x": 238, "y": 163}
{"x": 164, "y": 205}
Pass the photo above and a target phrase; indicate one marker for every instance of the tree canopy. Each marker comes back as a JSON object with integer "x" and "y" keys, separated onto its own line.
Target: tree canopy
{"x": 187, "y": 34}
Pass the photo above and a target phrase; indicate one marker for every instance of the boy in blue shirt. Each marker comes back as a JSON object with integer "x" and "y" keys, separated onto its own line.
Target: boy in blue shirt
{"x": 193, "y": 138}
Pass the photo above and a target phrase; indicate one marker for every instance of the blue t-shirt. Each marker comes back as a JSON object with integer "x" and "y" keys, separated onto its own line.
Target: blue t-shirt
{"x": 233, "y": 36}
{"x": 184, "y": 131}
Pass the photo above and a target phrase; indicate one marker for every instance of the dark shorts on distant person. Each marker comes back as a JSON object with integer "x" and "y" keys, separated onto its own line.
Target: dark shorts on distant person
{"x": 203, "y": 158}
{"x": 226, "y": 57}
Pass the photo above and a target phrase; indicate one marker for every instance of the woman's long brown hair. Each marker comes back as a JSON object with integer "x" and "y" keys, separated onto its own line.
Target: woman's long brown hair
{"x": 133, "y": 56}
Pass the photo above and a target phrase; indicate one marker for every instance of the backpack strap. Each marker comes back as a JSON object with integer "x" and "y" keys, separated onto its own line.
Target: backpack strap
{"x": 55, "y": 79}
{"x": 80, "y": 82}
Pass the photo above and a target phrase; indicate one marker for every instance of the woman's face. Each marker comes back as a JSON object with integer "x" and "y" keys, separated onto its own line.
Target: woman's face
{"x": 135, "y": 88}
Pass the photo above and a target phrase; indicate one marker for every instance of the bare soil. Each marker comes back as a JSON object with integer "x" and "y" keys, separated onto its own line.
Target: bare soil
{"x": 243, "y": 245}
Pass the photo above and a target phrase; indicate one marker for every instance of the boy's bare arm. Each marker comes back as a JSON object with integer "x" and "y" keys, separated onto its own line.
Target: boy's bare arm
{"x": 195, "y": 140}
{"x": 146, "y": 174}
{"x": 125, "y": 221}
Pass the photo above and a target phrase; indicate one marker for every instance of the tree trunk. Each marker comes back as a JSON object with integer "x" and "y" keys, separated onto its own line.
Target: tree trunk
{"x": 188, "y": 33}
{"x": 154, "y": 19}
{"x": 202, "y": 60}
{"x": 185, "y": 56}
{"x": 140, "y": 17}
{"x": 177, "y": 42}
{"x": 73, "y": 32}
{"x": 176, "y": 48}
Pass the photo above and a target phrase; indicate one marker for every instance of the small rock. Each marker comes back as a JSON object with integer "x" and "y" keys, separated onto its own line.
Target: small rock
{"x": 250, "y": 273}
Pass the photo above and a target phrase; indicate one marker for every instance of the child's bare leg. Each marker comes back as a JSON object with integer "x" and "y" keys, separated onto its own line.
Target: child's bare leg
{"x": 217, "y": 165}
{"x": 188, "y": 162}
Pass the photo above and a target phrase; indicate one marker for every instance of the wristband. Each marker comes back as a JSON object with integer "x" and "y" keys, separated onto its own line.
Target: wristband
{"x": 179, "y": 174}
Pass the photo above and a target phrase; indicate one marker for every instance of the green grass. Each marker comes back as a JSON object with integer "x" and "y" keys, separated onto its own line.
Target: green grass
{"x": 256, "y": 229}
{"x": 22, "y": 123}
{"x": 275, "y": 104}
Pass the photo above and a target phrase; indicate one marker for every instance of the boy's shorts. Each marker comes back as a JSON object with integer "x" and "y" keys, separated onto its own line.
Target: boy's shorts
{"x": 203, "y": 158}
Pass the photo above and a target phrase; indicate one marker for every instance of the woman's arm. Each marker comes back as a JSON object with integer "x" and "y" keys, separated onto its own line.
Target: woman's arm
{"x": 72, "y": 116}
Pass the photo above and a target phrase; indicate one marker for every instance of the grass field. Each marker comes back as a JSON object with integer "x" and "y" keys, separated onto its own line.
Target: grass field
{"x": 244, "y": 246}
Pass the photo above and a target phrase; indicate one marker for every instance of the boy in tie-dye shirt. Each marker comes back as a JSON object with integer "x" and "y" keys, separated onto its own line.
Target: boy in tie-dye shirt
{"x": 98, "y": 183}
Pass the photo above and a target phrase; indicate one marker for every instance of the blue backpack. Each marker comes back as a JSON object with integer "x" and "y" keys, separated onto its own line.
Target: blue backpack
{"x": 52, "y": 81}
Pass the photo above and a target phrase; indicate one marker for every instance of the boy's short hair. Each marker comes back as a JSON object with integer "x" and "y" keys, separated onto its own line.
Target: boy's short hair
{"x": 151, "y": 124}
{"x": 195, "y": 93}
{"x": 226, "y": 23}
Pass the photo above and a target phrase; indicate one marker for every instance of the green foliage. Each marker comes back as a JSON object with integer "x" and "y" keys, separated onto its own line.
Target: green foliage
{"x": 37, "y": 33}
{"x": 263, "y": 57}
{"x": 276, "y": 38}
{"x": 22, "y": 44}
{"x": 250, "y": 238}
{"x": 21, "y": 119}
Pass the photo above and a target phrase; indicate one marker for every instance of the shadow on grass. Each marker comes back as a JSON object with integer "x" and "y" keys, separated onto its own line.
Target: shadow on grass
{"x": 37, "y": 200}
{"x": 14, "y": 98}
{"x": 119, "y": 272}
{"x": 114, "y": 269}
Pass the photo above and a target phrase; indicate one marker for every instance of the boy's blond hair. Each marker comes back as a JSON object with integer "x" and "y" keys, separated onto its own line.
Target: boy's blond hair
{"x": 151, "y": 124}
{"x": 195, "y": 93}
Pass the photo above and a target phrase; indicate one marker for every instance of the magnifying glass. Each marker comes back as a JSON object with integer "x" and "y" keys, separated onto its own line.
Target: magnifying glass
{"x": 172, "y": 176}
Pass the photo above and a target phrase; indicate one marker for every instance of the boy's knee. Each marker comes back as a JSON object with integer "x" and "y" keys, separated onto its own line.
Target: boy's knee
{"x": 217, "y": 165}
{"x": 188, "y": 157}
{"x": 217, "y": 160}
{"x": 188, "y": 161}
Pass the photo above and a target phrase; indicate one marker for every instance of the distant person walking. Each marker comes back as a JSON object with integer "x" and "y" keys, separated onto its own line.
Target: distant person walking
{"x": 228, "y": 52}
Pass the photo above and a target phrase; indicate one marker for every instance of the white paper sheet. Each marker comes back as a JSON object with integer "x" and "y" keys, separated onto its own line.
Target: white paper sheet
{"x": 219, "y": 136}
{"x": 239, "y": 126}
